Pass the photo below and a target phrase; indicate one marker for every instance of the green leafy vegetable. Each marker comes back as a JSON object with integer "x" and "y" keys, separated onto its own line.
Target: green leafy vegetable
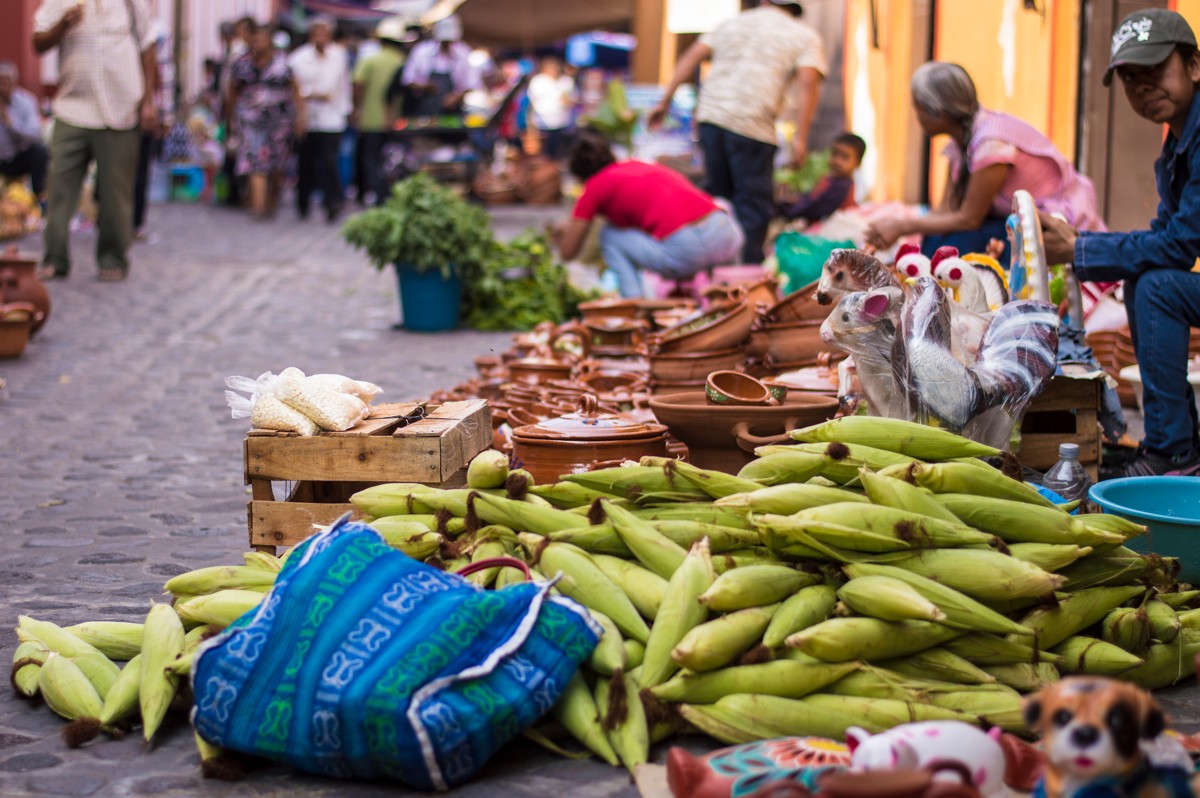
{"x": 803, "y": 179}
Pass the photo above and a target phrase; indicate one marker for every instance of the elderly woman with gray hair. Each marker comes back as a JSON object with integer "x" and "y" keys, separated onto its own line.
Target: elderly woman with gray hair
{"x": 990, "y": 155}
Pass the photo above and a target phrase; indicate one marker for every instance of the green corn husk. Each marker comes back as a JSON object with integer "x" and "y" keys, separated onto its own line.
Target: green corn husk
{"x": 878, "y": 682}
{"x": 415, "y": 540}
{"x": 969, "y": 479}
{"x": 1115, "y": 523}
{"x": 1075, "y": 612}
{"x": 782, "y": 468}
{"x": 870, "y": 457}
{"x": 939, "y": 664}
{"x": 790, "y": 537}
{"x": 486, "y": 550}
{"x": 980, "y": 574}
{"x": 1021, "y": 522}
{"x": 118, "y": 640}
{"x": 121, "y": 703}
{"x": 644, "y": 589}
{"x": 767, "y": 717}
{"x": 917, "y": 531}
{"x": 652, "y": 548}
{"x": 603, "y": 539}
{"x": 635, "y": 653}
{"x": 789, "y": 498}
{"x": 584, "y": 581}
{"x": 986, "y": 649}
{"x": 888, "y": 600}
{"x": 1166, "y": 663}
{"x": 99, "y": 669}
{"x": 1050, "y": 557}
{"x": 890, "y": 713}
{"x": 896, "y": 493}
{"x": 636, "y": 482}
{"x": 576, "y": 711}
{"x": 807, "y": 607}
{"x": 869, "y": 639}
{"x": 718, "y": 642}
{"x": 567, "y": 495}
{"x": 608, "y": 657}
{"x": 719, "y": 724}
{"x": 488, "y": 469}
{"x": 703, "y": 513}
{"x": 523, "y": 516}
{"x": 1024, "y": 676}
{"x": 628, "y": 731}
{"x": 1127, "y": 628}
{"x": 777, "y": 463}
{"x": 1094, "y": 657}
{"x": 894, "y": 435}
{"x": 754, "y": 586}
{"x": 785, "y": 678}
{"x": 680, "y": 612}
{"x": 28, "y": 659}
{"x": 961, "y": 612}
{"x": 1105, "y": 572}
{"x": 399, "y": 498}
{"x": 1190, "y": 619}
{"x": 1180, "y": 599}
{"x": 1164, "y": 622}
{"x": 992, "y": 708}
{"x": 715, "y": 484}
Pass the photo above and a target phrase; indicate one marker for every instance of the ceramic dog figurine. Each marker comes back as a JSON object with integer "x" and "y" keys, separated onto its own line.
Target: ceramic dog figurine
{"x": 914, "y": 746}
{"x": 1095, "y": 734}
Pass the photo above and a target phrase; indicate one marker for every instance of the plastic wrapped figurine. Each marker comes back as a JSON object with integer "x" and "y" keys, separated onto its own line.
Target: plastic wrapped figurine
{"x": 911, "y": 264}
{"x": 849, "y": 270}
{"x": 914, "y": 746}
{"x": 864, "y": 324}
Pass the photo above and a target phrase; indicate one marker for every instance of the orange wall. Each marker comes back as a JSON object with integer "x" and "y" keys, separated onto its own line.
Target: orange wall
{"x": 1190, "y": 10}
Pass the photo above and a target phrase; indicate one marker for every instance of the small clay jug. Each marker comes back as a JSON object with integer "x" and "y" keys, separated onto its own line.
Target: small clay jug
{"x": 19, "y": 283}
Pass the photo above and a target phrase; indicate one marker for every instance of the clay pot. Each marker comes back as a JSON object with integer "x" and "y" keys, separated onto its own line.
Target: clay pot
{"x": 16, "y": 325}
{"x": 616, "y": 333}
{"x": 541, "y": 366}
{"x": 685, "y": 386}
{"x": 719, "y": 329}
{"x": 570, "y": 443}
{"x": 799, "y": 305}
{"x": 487, "y": 365}
{"x": 643, "y": 309}
{"x": 729, "y": 388}
{"x": 901, "y": 783}
{"x": 794, "y": 342}
{"x": 692, "y": 366}
{"x": 597, "y": 380}
{"x": 711, "y": 431}
{"x": 760, "y": 292}
{"x": 19, "y": 283}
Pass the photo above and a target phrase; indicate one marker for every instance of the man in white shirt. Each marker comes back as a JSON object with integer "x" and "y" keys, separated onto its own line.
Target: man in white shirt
{"x": 107, "y": 76}
{"x": 322, "y": 71}
{"x": 755, "y": 57}
{"x": 551, "y": 97}
{"x": 439, "y": 71}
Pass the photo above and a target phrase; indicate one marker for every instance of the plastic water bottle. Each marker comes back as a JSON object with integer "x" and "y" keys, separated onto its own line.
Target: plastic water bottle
{"x": 1068, "y": 478}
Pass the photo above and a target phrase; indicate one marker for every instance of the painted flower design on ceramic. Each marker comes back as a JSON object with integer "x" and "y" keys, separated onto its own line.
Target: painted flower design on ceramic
{"x": 808, "y": 752}
{"x": 793, "y": 761}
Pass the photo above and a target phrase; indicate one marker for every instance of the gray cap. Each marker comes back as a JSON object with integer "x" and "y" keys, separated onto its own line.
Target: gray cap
{"x": 1068, "y": 450}
{"x": 1146, "y": 38}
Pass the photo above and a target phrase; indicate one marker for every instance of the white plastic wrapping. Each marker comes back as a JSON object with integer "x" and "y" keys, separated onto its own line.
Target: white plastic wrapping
{"x": 329, "y": 408}
{"x": 263, "y": 407}
{"x": 366, "y": 391}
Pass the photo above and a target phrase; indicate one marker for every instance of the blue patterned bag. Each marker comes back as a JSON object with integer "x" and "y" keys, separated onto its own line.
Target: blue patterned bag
{"x": 364, "y": 663}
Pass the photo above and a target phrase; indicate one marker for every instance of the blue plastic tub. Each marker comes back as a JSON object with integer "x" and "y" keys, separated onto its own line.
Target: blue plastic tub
{"x": 1170, "y": 506}
{"x": 429, "y": 302}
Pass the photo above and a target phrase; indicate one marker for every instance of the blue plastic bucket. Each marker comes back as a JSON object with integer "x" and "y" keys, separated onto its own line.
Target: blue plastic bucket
{"x": 1170, "y": 506}
{"x": 429, "y": 302}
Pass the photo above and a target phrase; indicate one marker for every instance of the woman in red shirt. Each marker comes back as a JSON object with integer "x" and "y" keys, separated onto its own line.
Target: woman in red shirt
{"x": 657, "y": 220}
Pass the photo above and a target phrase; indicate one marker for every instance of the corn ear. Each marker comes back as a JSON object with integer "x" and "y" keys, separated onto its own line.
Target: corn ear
{"x": 644, "y": 589}
{"x": 635, "y": 654}
{"x": 484, "y": 551}
{"x": 122, "y": 700}
{"x": 991, "y": 708}
{"x": 66, "y": 690}
{"x": 681, "y": 610}
{"x": 608, "y": 657}
{"x": 720, "y": 641}
{"x": 568, "y": 495}
{"x": 1115, "y": 524}
{"x": 523, "y": 516}
{"x": 209, "y": 580}
{"x": 888, "y": 491}
{"x": 781, "y": 468}
{"x": 940, "y": 664}
{"x": 636, "y": 482}
{"x": 963, "y": 478}
{"x": 714, "y": 484}
{"x": 981, "y": 574}
{"x": 894, "y": 435}
{"x": 789, "y": 498}
{"x": 1075, "y": 612}
{"x": 1127, "y": 628}
{"x": 1180, "y": 599}
{"x": 1050, "y": 557}
{"x": 219, "y": 609}
{"x": 807, "y": 607}
{"x": 986, "y": 649}
{"x": 886, "y": 712}
{"x": 651, "y": 548}
{"x": 27, "y": 665}
{"x": 878, "y": 682}
{"x": 782, "y": 677}
{"x": 627, "y": 730}
{"x": 162, "y": 643}
{"x": 704, "y": 513}
{"x": 1164, "y": 622}
{"x": 1094, "y": 657}
{"x": 1021, "y": 522}
{"x": 407, "y": 498}
{"x": 917, "y": 531}
{"x": 1105, "y": 571}
{"x": 754, "y": 586}
{"x": 117, "y": 640}
{"x": 99, "y": 669}
{"x": 263, "y": 561}
{"x": 584, "y": 581}
{"x": 870, "y": 639}
{"x": 888, "y": 599}
{"x": 576, "y": 711}
{"x": 772, "y": 716}
{"x": 1166, "y": 663}
{"x": 1024, "y": 676}
{"x": 868, "y": 457}
{"x": 721, "y": 725}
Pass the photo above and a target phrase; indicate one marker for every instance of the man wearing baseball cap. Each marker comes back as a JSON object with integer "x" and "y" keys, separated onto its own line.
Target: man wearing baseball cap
{"x": 755, "y": 57}
{"x": 1154, "y": 58}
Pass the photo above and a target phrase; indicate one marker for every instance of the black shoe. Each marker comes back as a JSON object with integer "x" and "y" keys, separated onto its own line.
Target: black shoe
{"x": 332, "y": 213}
{"x": 302, "y": 213}
{"x": 1148, "y": 463}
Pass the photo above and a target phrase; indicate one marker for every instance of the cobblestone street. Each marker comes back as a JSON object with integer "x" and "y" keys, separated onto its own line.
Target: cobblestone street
{"x": 120, "y": 465}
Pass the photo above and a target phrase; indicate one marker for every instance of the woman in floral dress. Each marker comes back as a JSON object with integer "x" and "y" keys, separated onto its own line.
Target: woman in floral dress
{"x": 267, "y": 109}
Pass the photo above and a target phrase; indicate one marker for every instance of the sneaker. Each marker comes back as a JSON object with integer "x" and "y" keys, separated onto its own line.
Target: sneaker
{"x": 1148, "y": 463}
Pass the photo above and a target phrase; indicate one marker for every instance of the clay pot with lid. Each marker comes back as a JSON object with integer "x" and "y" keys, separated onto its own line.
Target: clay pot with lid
{"x": 570, "y": 443}
{"x": 19, "y": 283}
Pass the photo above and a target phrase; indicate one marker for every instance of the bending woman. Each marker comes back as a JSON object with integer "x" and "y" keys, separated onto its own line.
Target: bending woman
{"x": 657, "y": 220}
{"x": 1002, "y": 154}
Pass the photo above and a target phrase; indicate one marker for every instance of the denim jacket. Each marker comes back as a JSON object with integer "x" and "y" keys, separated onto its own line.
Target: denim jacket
{"x": 1173, "y": 240}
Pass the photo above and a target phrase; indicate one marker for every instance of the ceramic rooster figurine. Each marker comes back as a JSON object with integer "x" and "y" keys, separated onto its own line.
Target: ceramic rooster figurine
{"x": 911, "y": 264}
{"x": 1015, "y": 359}
{"x": 973, "y": 285}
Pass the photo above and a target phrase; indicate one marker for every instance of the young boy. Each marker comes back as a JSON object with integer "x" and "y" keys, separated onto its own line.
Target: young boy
{"x": 833, "y": 192}
{"x": 1155, "y": 59}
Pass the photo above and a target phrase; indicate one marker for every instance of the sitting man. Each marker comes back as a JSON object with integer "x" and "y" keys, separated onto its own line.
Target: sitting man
{"x": 21, "y": 149}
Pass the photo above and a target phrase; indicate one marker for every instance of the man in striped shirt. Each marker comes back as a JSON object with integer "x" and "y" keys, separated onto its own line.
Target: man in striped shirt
{"x": 107, "y": 75}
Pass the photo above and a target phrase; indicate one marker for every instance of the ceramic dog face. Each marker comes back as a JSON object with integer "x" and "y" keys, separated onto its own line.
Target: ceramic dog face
{"x": 1091, "y": 729}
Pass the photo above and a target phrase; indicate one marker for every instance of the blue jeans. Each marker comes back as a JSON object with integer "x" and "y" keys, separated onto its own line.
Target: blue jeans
{"x": 969, "y": 240}
{"x": 1163, "y": 304}
{"x": 715, "y": 240}
{"x": 742, "y": 170}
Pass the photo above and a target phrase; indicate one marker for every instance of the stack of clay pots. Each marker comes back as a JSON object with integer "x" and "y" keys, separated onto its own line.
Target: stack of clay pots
{"x": 24, "y": 302}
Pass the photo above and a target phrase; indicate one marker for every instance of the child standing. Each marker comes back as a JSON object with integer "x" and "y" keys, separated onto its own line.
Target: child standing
{"x": 1155, "y": 59}
{"x": 835, "y": 191}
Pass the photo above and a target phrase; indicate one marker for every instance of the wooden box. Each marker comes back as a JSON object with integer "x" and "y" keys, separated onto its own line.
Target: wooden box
{"x": 1066, "y": 412}
{"x": 328, "y": 468}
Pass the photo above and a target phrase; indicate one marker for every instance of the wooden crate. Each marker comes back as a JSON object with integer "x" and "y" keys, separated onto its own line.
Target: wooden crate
{"x": 1066, "y": 412}
{"x": 328, "y": 468}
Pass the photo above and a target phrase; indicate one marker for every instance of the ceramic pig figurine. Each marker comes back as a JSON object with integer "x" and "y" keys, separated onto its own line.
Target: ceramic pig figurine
{"x": 915, "y": 745}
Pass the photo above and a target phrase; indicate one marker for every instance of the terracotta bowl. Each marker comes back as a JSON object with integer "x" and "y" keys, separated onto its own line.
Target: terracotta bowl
{"x": 616, "y": 332}
{"x": 723, "y": 328}
{"x": 692, "y": 366}
{"x": 794, "y": 341}
{"x": 630, "y": 308}
{"x": 712, "y": 433}
{"x": 797, "y": 306}
{"x": 662, "y": 388}
{"x": 727, "y": 388}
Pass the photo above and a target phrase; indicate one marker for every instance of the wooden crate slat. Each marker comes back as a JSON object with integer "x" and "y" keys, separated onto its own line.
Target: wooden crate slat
{"x": 459, "y": 410}
{"x": 345, "y": 459}
{"x": 1066, "y": 394}
{"x": 289, "y": 523}
{"x": 370, "y": 426}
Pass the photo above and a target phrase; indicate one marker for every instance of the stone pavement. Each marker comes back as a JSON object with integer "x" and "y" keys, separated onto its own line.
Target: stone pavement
{"x": 120, "y": 466}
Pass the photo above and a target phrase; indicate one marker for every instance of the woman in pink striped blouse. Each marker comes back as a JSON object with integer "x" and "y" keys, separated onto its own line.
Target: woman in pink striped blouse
{"x": 1003, "y": 154}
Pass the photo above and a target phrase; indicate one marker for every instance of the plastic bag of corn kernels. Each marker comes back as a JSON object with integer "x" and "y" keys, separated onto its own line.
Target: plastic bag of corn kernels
{"x": 367, "y": 391}
{"x": 263, "y": 408}
{"x": 330, "y": 409}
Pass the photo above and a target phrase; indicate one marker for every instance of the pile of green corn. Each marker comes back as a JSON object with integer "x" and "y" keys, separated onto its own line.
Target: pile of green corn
{"x": 874, "y": 573}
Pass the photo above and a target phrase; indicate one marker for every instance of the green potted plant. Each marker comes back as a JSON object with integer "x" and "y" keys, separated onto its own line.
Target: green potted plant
{"x": 431, "y": 237}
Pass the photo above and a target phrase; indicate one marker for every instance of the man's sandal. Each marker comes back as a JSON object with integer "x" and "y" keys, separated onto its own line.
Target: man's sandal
{"x": 112, "y": 274}
{"x": 47, "y": 272}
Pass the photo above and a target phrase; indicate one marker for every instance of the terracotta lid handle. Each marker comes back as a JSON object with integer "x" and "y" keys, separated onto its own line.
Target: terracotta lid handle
{"x": 589, "y": 405}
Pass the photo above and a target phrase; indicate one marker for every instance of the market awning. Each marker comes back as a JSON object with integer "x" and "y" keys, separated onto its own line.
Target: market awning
{"x": 356, "y": 10}
{"x": 526, "y": 23}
